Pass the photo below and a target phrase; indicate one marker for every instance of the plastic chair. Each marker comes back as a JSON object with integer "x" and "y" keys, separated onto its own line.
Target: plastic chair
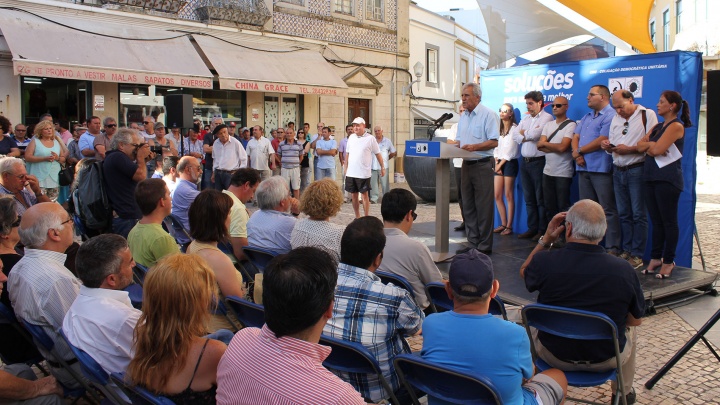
{"x": 135, "y": 292}
{"x": 398, "y": 281}
{"x": 139, "y": 273}
{"x": 175, "y": 228}
{"x": 578, "y": 325}
{"x": 352, "y": 357}
{"x": 443, "y": 382}
{"x": 43, "y": 340}
{"x": 138, "y": 395}
{"x": 248, "y": 313}
{"x": 7, "y": 315}
{"x": 441, "y": 302}
{"x": 95, "y": 373}
{"x": 259, "y": 257}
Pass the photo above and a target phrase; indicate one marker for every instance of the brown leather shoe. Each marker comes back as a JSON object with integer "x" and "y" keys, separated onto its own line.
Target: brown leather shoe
{"x": 536, "y": 237}
{"x": 527, "y": 235}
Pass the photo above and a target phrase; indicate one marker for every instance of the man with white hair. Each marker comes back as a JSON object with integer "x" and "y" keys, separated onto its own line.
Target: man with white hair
{"x": 103, "y": 141}
{"x": 270, "y": 227}
{"x": 41, "y": 288}
{"x": 148, "y": 131}
{"x": 15, "y": 180}
{"x": 377, "y": 181}
{"x": 361, "y": 147}
{"x": 583, "y": 276}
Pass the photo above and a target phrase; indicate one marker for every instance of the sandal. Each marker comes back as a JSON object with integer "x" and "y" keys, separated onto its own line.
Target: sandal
{"x": 661, "y": 276}
{"x": 499, "y": 229}
{"x": 651, "y": 270}
{"x": 507, "y": 231}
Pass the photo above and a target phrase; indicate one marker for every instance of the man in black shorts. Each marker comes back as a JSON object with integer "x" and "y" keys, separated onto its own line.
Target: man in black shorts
{"x": 358, "y": 165}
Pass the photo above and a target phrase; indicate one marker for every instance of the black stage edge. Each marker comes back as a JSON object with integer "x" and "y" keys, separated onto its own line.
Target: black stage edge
{"x": 509, "y": 253}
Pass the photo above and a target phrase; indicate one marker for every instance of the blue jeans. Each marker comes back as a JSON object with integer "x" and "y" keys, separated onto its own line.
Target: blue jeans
{"x": 630, "y": 199}
{"x": 598, "y": 187}
{"x": 304, "y": 178}
{"x": 556, "y": 195}
{"x": 531, "y": 177}
{"x": 376, "y": 181}
{"x": 122, "y": 226}
{"x": 323, "y": 173}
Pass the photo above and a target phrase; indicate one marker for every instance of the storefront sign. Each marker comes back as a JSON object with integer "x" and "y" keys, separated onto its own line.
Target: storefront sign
{"x": 108, "y": 75}
{"x": 288, "y": 88}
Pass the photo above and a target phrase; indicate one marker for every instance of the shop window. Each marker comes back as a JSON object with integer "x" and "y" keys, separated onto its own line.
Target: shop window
{"x": 279, "y": 110}
{"x": 64, "y": 99}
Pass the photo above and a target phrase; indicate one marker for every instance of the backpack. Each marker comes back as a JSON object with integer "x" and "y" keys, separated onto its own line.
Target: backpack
{"x": 90, "y": 199}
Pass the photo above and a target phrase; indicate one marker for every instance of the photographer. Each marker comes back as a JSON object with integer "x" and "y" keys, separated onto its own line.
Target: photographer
{"x": 161, "y": 146}
{"x": 124, "y": 166}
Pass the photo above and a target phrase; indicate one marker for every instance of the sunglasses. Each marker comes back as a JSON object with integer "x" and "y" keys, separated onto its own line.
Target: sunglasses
{"x": 414, "y": 215}
{"x": 110, "y": 125}
{"x": 504, "y": 111}
{"x": 626, "y": 125}
{"x": 146, "y": 122}
{"x": 558, "y": 105}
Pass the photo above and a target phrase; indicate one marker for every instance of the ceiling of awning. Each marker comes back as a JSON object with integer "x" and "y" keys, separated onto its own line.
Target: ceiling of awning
{"x": 628, "y": 19}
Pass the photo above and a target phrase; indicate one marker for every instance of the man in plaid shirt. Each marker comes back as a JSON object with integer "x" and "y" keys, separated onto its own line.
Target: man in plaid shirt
{"x": 369, "y": 312}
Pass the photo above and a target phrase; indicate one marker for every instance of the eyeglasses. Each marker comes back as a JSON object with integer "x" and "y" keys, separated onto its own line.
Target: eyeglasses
{"x": 558, "y": 105}
{"x": 72, "y": 223}
{"x": 19, "y": 176}
{"x": 626, "y": 125}
{"x": 414, "y": 215}
{"x": 21, "y": 130}
{"x": 110, "y": 125}
{"x": 146, "y": 122}
{"x": 17, "y": 222}
{"x": 593, "y": 94}
{"x": 504, "y": 111}
{"x": 138, "y": 145}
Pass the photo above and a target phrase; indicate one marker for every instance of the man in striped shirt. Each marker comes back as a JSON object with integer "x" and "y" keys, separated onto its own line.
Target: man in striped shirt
{"x": 282, "y": 362}
{"x": 291, "y": 154}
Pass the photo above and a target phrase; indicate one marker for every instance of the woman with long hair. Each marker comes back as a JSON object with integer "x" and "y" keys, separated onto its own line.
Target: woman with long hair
{"x": 663, "y": 185}
{"x": 171, "y": 356}
{"x": 506, "y": 170}
{"x": 44, "y": 155}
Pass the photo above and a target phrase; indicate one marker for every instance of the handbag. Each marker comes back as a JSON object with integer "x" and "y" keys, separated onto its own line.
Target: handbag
{"x": 66, "y": 175}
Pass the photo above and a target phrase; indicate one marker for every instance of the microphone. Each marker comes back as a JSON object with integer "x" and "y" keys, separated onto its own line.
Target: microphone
{"x": 440, "y": 121}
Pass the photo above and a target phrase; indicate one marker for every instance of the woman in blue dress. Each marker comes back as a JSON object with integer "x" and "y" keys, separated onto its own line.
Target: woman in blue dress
{"x": 43, "y": 156}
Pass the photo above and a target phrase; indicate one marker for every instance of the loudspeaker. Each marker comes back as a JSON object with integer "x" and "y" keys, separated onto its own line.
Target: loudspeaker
{"x": 713, "y": 113}
{"x": 179, "y": 109}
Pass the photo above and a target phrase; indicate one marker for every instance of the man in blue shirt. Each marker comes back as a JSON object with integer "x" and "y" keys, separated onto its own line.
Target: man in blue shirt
{"x": 478, "y": 131}
{"x": 594, "y": 165}
{"x": 185, "y": 191}
{"x": 488, "y": 346}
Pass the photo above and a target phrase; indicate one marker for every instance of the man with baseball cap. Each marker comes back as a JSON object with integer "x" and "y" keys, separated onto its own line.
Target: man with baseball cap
{"x": 361, "y": 147}
{"x": 489, "y": 346}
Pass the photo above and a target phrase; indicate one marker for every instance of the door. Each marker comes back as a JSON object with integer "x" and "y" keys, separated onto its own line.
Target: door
{"x": 359, "y": 107}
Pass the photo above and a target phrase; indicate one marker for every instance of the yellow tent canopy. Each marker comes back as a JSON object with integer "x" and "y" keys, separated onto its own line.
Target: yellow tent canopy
{"x": 627, "y": 21}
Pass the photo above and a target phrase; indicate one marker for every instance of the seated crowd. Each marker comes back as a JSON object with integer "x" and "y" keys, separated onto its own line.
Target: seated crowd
{"x": 183, "y": 343}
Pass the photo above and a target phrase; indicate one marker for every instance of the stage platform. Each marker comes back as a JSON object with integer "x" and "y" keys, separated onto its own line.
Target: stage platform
{"x": 509, "y": 253}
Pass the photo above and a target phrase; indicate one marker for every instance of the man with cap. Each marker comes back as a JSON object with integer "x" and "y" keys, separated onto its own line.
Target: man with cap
{"x": 489, "y": 346}
{"x": 361, "y": 147}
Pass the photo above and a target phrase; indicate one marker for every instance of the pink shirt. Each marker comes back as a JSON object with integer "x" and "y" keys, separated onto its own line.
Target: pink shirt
{"x": 258, "y": 368}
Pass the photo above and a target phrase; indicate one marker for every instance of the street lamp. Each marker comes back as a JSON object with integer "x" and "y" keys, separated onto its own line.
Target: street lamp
{"x": 418, "y": 69}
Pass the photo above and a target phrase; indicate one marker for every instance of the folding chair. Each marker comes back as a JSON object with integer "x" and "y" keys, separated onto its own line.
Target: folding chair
{"x": 138, "y": 395}
{"x": 95, "y": 374}
{"x": 139, "y": 273}
{"x": 441, "y": 302}
{"x": 8, "y": 316}
{"x": 248, "y": 313}
{"x": 578, "y": 325}
{"x": 175, "y": 228}
{"x": 443, "y": 382}
{"x": 352, "y": 357}
{"x": 259, "y": 257}
{"x": 398, "y": 281}
{"x": 43, "y": 340}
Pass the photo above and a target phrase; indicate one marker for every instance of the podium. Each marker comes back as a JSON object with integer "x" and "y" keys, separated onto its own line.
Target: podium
{"x": 442, "y": 153}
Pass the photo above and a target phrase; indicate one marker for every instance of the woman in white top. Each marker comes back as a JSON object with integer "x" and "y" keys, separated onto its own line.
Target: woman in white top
{"x": 506, "y": 170}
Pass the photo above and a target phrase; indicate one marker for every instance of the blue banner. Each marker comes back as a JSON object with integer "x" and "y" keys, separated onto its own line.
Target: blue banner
{"x": 646, "y": 76}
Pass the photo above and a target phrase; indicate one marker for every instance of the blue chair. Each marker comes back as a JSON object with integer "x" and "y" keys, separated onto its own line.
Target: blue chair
{"x": 352, "y": 357}
{"x": 443, "y": 382}
{"x": 398, "y": 281}
{"x": 259, "y": 257}
{"x": 578, "y": 325}
{"x": 43, "y": 340}
{"x": 138, "y": 395}
{"x": 248, "y": 313}
{"x": 95, "y": 374}
{"x": 8, "y": 316}
{"x": 139, "y": 273}
{"x": 175, "y": 228}
{"x": 135, "y": 292}
{"x": 441, "y": 302}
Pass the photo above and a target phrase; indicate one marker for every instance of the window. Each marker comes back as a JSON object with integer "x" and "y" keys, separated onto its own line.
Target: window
{"x": 344, "y": 6}
{"x": 375, "y": 10}
{"x": 652, "y": 33}
{"x": 678, "y": 14}
{"x": 666, "y": 30}
{"x": 432, "y": 64}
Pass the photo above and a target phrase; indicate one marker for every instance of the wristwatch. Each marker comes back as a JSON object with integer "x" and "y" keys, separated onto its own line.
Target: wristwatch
{"x": 543, "y": 244}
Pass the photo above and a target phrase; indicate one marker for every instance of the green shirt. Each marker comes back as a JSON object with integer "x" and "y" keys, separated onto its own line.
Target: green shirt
{"x": 150, "y": 243}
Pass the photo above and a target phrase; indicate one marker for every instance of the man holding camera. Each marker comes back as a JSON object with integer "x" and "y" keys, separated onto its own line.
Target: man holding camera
{"x": 124, "y": 167}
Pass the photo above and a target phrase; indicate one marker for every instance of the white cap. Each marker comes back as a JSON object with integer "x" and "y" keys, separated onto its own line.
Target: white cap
{"x": 359, "y": 120}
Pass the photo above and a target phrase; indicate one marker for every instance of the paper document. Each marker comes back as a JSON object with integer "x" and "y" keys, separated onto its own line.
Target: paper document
{"x": 672, "y": 154}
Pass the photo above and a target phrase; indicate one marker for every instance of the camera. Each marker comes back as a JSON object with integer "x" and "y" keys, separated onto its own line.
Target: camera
{"x": 157, "y": 149}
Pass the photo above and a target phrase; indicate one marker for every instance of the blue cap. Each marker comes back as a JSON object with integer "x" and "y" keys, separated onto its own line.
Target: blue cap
{"x": 471, "y": 274}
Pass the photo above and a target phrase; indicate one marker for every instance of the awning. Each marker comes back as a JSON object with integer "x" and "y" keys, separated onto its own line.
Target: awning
{"x": 433, "y": 113}
{"x": 244, "y": 66}
{"x": 113, "y": 53}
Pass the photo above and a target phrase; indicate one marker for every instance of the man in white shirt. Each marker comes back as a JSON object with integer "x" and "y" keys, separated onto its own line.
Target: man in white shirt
{"x": 228, "y": 156}
{"x": 630, "y": 125}
{"x": 387, "y": 150}
{"x": 261, "y": 155}
{"x": 102, "y": 319}
{"x": 527, "y": 134}
{"x": 148, "y": 131}
{"x": 361, "y": 147}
